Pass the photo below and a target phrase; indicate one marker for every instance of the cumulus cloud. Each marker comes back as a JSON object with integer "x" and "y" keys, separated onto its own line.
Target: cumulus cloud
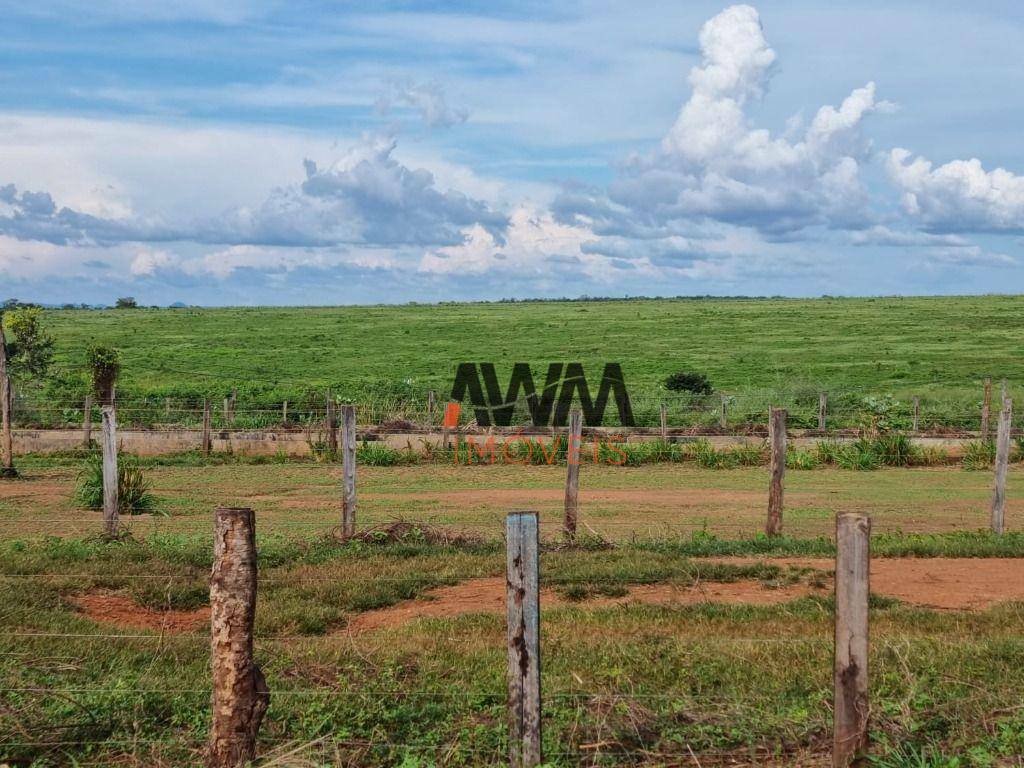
{"x": 147, "y": 263}
{"x": 714, "y": 167}
{"x": 958, "y": 196}
{"x": 366, "y": 197}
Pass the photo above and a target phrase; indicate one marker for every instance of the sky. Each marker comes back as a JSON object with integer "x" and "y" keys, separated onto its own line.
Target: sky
{"x": 252, "y": 152}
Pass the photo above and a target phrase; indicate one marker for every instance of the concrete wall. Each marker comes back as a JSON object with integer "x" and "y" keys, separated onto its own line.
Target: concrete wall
{"x": 294, "y": 443}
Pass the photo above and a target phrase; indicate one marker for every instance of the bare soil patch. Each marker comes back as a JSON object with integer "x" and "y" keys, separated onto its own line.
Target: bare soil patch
{"x": 487, "y": 595}
{"x": 112, "y": 608}
{"x": 932, "y": 582}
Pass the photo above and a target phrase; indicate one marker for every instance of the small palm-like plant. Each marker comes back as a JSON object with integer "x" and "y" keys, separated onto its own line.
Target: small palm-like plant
{"x": 133, "y": 490}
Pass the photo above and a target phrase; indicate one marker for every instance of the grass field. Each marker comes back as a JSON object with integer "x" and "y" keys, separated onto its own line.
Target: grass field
{"x": 680, "y": 645}
{"x": 673, "y": 634}
{"x": 939, "y": 348}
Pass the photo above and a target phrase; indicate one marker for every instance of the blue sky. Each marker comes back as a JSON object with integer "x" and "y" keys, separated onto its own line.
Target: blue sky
{"x": 305, "y": 153}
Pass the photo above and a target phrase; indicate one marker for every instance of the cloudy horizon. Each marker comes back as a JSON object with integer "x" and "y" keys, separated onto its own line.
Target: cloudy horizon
{"x": 255, "y": 153}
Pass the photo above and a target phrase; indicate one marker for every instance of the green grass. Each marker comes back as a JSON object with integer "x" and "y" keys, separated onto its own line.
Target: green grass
{"x": 759, "y": 351}
{"x": 647, "y": 684}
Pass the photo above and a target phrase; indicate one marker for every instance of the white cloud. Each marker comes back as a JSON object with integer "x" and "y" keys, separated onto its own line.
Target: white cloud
{"x": 960, "y": 195}
{"x": 426, "y": 98}
{"x": 714, "y": 165}
{"x": 147, "y": 263}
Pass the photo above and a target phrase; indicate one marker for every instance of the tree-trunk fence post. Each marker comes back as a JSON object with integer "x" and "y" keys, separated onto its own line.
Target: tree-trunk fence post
{"x": 6, "y": 427}
{"x": 1002, "y": 460}
{"x": 917, "y": 414}
{"x": 986, "y": 408}
{"x": 240, "y": 694}
{"x": 723, "y": 416}
{"x": 87, "y": 422}
{"x": 777, "y": 441}
{"x": 431, "y": 405}
{"x": 851, "y": 704}
{"x": 111, "y": 502}
{"x": 664, "y": 422}
{"x": 523, "y": 606}
{"x": 572, "y": 475}
{"x": 822, "y": 410}
{"x": 348, "y": 470}
{"x": 227, "y": 412}
{"x": 207, "y": 444}
{"x": 167, "y": 407}
{"x": 284, "y": 412}
{"x": 331, "y": 425}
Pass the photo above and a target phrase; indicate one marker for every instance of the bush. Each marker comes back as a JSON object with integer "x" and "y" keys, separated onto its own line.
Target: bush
{"x": 133, "y": 494}
{"x": 979, "y": 454}
{"x": 688, "y": 381}
{"x": 896, "y": 450}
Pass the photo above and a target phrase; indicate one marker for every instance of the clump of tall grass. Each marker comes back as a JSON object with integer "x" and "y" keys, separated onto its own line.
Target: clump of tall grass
{"x": 709, "y": 457}
{"x": 895, "y": 449}
{"x": 373, "y": 454}
{"x": 979, "y": 454}
{"x": 797, "y": 458}
{"x": 133, "y": 490}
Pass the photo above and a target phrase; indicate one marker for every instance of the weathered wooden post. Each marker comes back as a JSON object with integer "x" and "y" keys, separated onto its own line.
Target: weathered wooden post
{"x": 87, "y": 422}
{"x": 110, "y": 488}
{"x": 777, "y": 439}
{"x": 986, "y": 407}
{"x": 723, "y": 416}
{"x": 917, "y": 413}
{"x": 851, "y": 704}
{"x": 431, "y": 405}
{"x": 664, "y": 423}
{"x": 331, "y": 425}
{"x": 822, "y": 410}
{"x": 6, "y": 427}
{"x": 523, "y": 606}
{"x": 284, "y": 412}
{"x": 227, "y": 411}
{"x": 240, "y": 693}
{"x": 1002, "y": 460}
{"x": 167, "y": 407}
{"x": 348, "y": 452}
{"x": 572, "y": 475}
{"x": 207, "y": 441}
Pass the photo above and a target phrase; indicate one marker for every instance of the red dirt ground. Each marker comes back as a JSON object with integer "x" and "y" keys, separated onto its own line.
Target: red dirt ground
{"x": 943, "y": 583}
{"x": 111, "y": 608}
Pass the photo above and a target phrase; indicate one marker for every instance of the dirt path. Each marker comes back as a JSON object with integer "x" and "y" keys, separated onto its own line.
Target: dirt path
{"x": 487, "y": 595}
{"x": 942, "y": 583}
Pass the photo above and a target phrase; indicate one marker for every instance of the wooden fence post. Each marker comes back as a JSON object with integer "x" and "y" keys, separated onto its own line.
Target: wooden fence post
{"x": 523, "y": 607}
{"x": 167, "y": 407}
{"x": 240, "y": 693}
{"x": 431, "y": 405}
{"x": 284, "y": 412}
{"x": 917, "y": 413}
{"x": 332, "y": 427}
{"x": 6, "y": 427}
{"x": 664, "y": 423}
{"x": 111, "y": 501}
{"x": 822, "y": 410}
{"x": 986, "y": 407}
{"x": 572, "y": 475}
{"x": 777, "y": 439}
{"x": 87, "y": 422}
{"x": 207, "y": 442}
{"x": 348, "y": 452}
{"x": 1002, "y": 459}
{"x": 723, "y": 417}
{"x": 227, "y": 411}
{"x": 851, "y": 704}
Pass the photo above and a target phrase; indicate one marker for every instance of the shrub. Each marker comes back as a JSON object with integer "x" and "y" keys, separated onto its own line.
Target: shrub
{"x": 859, "y": 455}
{"x": 689, "y": 381}
{"x": 800, "y": 459}
{"x": 828, "y": 451}
{"x": 133, "y": 494}
{"x": 896, "y": 450}
{"x": 381, "y": 455}
{"x": 104, "y": 363}
{"x": 979, "y": 454}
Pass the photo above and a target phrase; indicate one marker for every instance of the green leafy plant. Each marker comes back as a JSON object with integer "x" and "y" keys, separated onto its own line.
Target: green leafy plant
{"x": 979, "y": 454}
{"x": 105, "y": 364}
{"x": 133, "y": 490}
